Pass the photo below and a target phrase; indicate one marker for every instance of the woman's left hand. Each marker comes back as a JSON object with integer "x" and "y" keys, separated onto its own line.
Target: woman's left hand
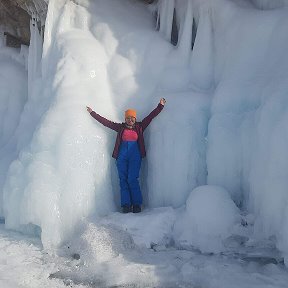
{"x": 163, "y": 101}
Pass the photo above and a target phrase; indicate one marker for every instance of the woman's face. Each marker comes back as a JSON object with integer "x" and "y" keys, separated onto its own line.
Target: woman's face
{"x": 130, "y": 121}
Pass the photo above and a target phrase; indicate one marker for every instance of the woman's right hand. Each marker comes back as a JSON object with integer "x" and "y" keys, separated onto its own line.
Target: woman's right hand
{"x": 89, "y": 109}
{"x": 163, "y": 101}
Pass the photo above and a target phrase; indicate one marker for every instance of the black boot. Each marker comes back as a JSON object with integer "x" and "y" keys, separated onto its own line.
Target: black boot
{"x": 126, "y": 209}
{"x": 136, "y": 208}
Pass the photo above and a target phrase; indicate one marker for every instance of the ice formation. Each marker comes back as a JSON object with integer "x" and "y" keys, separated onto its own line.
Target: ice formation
{"x": 224, "y": 124}
{"x": 208, "y": 219}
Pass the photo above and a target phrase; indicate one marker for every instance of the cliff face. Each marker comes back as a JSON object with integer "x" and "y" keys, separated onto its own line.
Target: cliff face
{"x": 15, "y": 18}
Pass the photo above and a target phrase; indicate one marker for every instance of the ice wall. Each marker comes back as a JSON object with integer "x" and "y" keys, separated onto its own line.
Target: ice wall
{"x": 19, "y": 71}
{"x": 13, "y": 95}
{"x": 246, "y": 132}
{"x": 113, "y": 59}
{"x": 65, "y": 159}
{"x": 65, "y": 172}
{"x": 239, "y": 53}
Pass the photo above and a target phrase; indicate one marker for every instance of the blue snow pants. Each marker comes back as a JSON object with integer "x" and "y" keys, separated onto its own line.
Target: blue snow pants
{"x": 128, "y": 165}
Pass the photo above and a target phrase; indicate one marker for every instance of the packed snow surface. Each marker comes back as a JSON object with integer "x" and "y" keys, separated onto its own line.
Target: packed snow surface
{"x": 104, "y": 255}
{"x": 222, "y": 135}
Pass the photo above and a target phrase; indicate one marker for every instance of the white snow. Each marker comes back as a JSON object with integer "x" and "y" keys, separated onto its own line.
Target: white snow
{"x": 152, "y": 227}
{"x": 22, "y": 262}
{"x": 107, "y": 261}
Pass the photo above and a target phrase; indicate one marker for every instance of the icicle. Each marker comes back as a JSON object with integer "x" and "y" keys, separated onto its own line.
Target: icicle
{"x": 35, "y": 52}
{"x": 55, "y": 8}
{"x": 1, "y": 39}
{"x": 165, "y": 13}
{"x": 202, "y": 56}
{"x": 185, "y": 34}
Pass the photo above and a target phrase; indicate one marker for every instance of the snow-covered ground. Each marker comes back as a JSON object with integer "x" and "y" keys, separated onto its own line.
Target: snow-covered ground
{"x": 113, "y": 254}
{"x": 215, "y": 178}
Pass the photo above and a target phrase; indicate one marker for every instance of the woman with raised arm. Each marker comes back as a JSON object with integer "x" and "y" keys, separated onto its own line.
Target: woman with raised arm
{"x": 129, "y": 150}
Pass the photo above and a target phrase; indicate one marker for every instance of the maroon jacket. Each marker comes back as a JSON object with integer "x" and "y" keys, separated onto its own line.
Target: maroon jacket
{"x": 119, "y": 128}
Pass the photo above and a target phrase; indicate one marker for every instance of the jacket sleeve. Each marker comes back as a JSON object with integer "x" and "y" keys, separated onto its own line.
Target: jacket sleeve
{"x": 147, "y": 120}
{"x": 112, "y": 125}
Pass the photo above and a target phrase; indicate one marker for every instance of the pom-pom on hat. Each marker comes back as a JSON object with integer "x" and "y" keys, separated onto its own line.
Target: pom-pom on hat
{"x": 130, "y": 113}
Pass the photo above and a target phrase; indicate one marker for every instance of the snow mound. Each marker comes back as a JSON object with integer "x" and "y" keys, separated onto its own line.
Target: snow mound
{"x": 208, "y": 219}
{"x": 99, "y": 243}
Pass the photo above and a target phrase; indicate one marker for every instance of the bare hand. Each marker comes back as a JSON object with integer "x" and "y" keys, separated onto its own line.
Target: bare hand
{"x": 163, "y": 101}
{"x": 89, "y": 109}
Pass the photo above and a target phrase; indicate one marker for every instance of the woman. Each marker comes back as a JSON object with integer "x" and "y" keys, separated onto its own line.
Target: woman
{"x": 129, "y": 150}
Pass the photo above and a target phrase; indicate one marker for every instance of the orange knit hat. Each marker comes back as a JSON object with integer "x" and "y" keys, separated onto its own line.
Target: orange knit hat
{"x": 130, "y": 113}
